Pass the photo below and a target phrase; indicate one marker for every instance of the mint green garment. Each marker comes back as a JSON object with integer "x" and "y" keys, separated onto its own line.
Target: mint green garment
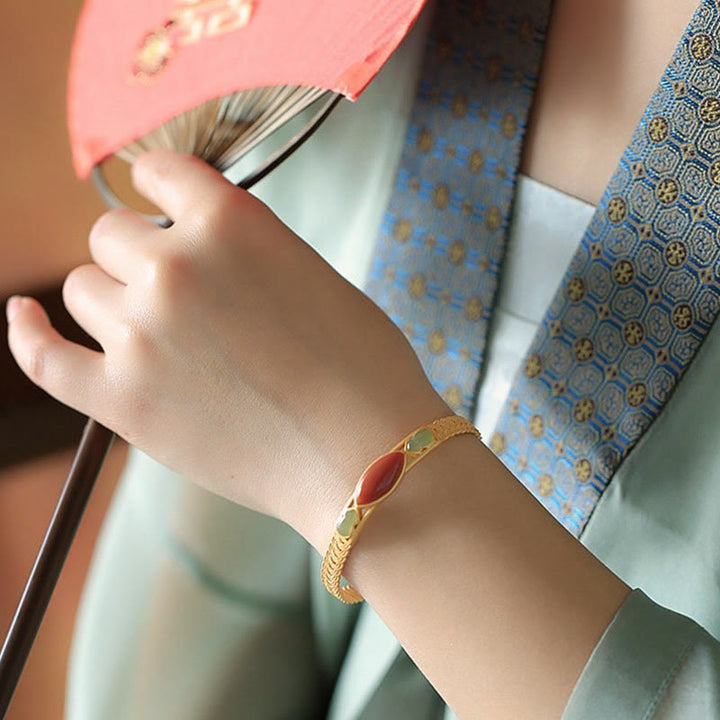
{"x": 197, "y": 609}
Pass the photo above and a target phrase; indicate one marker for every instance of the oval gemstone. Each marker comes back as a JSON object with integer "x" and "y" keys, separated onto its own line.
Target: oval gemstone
{"x": 420, "y": 441}
{"x": 380, "y": 478}
{"x": 347, "y": 522}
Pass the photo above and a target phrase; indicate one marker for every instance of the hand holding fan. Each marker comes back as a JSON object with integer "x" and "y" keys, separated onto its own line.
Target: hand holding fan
{"x": 214, "y": 78}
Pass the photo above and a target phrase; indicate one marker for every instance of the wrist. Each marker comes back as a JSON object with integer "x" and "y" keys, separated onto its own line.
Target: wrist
{"x": 356, "y": 436}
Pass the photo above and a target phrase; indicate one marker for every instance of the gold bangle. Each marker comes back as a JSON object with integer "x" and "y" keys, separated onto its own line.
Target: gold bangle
{"x": 376, "y": 484}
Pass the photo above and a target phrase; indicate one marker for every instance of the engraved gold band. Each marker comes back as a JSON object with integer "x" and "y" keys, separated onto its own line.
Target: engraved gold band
{"x": 376, "y": 484}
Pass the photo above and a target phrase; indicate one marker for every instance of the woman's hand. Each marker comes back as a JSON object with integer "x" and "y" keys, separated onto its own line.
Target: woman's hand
{"x": 232, "y": 352}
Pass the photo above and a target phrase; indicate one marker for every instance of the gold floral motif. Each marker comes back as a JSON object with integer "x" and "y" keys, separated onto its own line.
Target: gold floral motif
{"x": 459, "y": 105}
{"x": 437, "y": 342}
{"x": 537, "y": 426}
{"x": 658, "y": 129}
{"x": 616, "y": 209}
{"x": 583, "y": 470}
{"x": 636, "y": 394}
{"x": 493, "y": 219}
{"x": 709, "y": 110}
{"x": 682, "y": 316}
{"x": 575, "y": 289}
{"x": 403, "y": 230}
{"x": 453, "y": 397}
{"x": 545, "y": 485}
{"x": 584, "y": 409}
{"x": 533, "y": 366}
{"x": 623, "y": 272}
{"x": 425, "y": 141}
{"x": 417, "y": 286}
{"x": 456, "y": 252}
{"x": 633, "y": 333}
{"x": 676, "y": 253}
{"x": 714, "y": 172}
{"x": 441, "y": 196}
{"x": 701, "y": 47}
{"x": 668, "y": 191}
{"x": 509, "y": 126}
{"x": 155, "y": 52}
{"x": 498, "y": 444}
{"x": 476, "y": 161}
{"x": 473, "y": 308}
{"x": 584, "y": 349}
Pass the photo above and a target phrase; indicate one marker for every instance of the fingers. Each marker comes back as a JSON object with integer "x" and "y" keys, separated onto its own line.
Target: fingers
{"x": 95, "y": 301}
{"x": 178, "y": 184}
{"x": 119, "y": 239}
{"x": 67, "y": 371}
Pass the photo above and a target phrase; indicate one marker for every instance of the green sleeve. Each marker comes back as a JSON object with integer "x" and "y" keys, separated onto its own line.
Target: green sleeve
{"x": 650, "y": 663}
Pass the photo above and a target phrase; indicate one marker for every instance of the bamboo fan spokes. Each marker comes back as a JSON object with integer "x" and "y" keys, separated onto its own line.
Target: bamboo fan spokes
{"x": 222, "y": 130}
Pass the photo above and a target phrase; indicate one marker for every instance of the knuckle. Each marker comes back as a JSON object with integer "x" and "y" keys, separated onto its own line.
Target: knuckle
{"x": 138, "y": 342}
{"x": 74, "y": 281}
{"x": 105, "y": 223}
{"x": 170, "y": 275}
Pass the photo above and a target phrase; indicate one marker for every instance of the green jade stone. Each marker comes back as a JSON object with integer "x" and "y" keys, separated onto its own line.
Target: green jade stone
{"x": 420, "y": 441}
{"x": 347, "y": 522}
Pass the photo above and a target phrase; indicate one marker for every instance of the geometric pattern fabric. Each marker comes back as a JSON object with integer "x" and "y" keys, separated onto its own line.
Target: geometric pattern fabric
{"x": 639, "y": 296}
{"x": 641, "y": 292}
{"x": 441, "y": 243}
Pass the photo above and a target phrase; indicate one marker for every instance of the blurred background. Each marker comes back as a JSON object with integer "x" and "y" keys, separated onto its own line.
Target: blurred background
{"x": 46, "y": 215}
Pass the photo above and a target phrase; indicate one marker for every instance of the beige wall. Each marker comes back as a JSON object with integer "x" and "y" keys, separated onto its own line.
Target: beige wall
{"x": 45, "y": 214}
{"x": 45, "y": 211}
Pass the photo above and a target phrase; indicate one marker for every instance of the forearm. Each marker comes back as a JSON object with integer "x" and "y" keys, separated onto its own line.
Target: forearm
{"x": 498, "y": 605}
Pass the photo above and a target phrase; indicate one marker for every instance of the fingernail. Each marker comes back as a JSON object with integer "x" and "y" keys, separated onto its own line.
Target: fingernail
{"x": 11, "y": 307}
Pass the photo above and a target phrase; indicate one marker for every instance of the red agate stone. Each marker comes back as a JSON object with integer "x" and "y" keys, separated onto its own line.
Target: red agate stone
{"x": 380, "y": 478}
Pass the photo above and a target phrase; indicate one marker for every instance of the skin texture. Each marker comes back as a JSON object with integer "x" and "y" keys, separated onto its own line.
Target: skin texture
{"x": 223, "y": 362}
{"x": 219, "y": 306}
{"x": 224, "y": 359}
{"x": 602, "y": 63}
